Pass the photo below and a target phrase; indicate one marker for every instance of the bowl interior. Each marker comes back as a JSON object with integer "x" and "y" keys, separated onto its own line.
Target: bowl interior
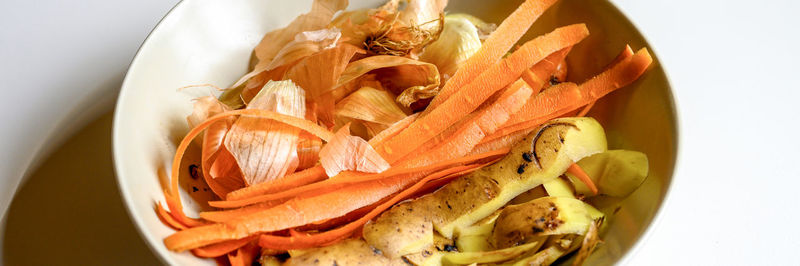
{"x": 209, "y": 42}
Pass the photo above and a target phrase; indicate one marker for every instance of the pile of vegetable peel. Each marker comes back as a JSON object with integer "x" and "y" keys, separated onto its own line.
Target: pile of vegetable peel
{"x": 347, "y": 115}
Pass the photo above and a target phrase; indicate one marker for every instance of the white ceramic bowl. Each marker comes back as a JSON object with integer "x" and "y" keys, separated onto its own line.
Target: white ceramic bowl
{"x": 206, "y": 41}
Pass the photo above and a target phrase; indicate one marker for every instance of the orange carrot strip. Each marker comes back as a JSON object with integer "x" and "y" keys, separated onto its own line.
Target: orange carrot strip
{"x": 576, "y": 170}
{"x": 532, "y": 108}
{"x": 548, "y": 101}
{"x": 627, "y": 52}
{"x": 495, "y": 47}
{"x": 173, "y": 197}
{"x": 469, "y": 134}
{"x": 539, "y": 74}
{"x": 176, "y": 211}
{"x": 244, "y": 256}
{"x": 395, "y": 128}
{"x": 500, "y": 142}
{"x": 222, "y": 248}
{"x": 566, "y": 97}
{"x": 586, "y": 109}
{"x": 297, "y": 179}
{"x": 355, "y": 177}
{"x": 468, "y": 98}
{"x": 167, "y": 219}
{"x": 562, "y": 99}
{"x": 435, "y": 184}
{"x": 329, "y": 237}
{"x": 620, "y": 75}
{"x": 460, "y": 127}
{"x": 338, "y": 221}
{"x": 547, "y": 105}
{"x": 293, "y": 232}
{"x": 346, "y": 179}
{"x": 560, "y": 74}
{"x": 296, "y": 212}
{"x": 227, "y": 215}
{"x": 536, "y": 78}
{"x": 293, "y": 213}
{"x": 529, "y": 77}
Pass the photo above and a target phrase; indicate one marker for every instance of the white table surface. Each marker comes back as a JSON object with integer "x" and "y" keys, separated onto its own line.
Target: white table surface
{"x": 732, "y": 66}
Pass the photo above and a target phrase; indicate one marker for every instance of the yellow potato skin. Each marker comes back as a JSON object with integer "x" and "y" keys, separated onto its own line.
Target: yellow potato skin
{"x": 540, "y": 157}
{"x": 616, "y": 173}
{"x": 347, "y": 252}
{"x": 540, "y": 218}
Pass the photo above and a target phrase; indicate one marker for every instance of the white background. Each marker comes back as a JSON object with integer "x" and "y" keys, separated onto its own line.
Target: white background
{"x": 732, "y": 65}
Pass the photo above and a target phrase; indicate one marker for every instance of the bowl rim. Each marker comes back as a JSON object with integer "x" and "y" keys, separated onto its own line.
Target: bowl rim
{"x": 164, "y": 257}
{"x": 139, "y": 224}
{"x": 659, "y": 214}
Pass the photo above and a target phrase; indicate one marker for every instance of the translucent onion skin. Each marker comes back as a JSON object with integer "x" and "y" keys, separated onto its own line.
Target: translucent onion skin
{"x": 458, "y": 41}
{"x": 266, "y": 150}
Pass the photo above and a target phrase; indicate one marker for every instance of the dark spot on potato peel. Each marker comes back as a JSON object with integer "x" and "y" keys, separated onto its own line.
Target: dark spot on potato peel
{"x": 527, "y": 156}
{"x": 450, "y": 248}
{"x": 539, "y": 134}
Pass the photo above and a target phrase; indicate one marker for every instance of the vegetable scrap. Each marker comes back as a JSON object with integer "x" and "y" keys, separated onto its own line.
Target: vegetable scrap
{"x": 403, "y": 134}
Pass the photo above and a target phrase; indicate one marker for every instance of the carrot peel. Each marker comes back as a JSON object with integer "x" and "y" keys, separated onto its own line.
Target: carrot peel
{"x": 300, "y": 211}
{"x": 341, "y": 182}
{"x": 222, "y": 248}
{"x": 301, "y": 241}
{"x": 499, "y": 42}
{"x": 578, "y": 172}
{"x": 173, "y": 198}
{"x": 297, "y": 179}
{"x": 473, "y": 130}
{"x": 244, "y": 256}
{"x": 566, "y": 97}
{"x": 470, "y": 97}
{"x": 167, "y": 218}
